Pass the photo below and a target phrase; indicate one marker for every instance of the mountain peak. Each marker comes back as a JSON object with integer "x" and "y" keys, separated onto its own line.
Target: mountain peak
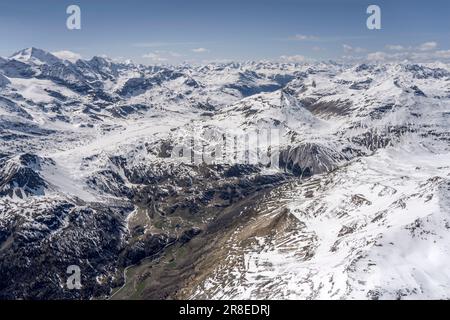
{"x": 35, "y": 56}
{"x": 103, "y": 60}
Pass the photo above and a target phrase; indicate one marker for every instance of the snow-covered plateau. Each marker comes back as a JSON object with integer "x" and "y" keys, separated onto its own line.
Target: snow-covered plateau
{"x": 132, "y": 173}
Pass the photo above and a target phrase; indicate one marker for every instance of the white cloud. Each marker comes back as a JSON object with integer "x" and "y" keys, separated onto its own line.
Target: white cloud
{"x": 162, "y": 44}
{"x": 428, "y": 46}
{"x": 377, "y": 56}
{"x": 416, "y": 56}
{"x": 423, "y": 53}
{"x": 294, "y": 58}
{"x": 302, "y": 37}
{"x": 172, "y": 54}
{"x": 443, "y": 54}
{"x": 395, "y": 47}
{"x": 154, "y": 57}
{"x": 200, "y": 50}
{"x": 161, "y": 56}
{"x": 206, "y": 61}
{"x": 349, "y": 49}
{"x": 67, "y": 55}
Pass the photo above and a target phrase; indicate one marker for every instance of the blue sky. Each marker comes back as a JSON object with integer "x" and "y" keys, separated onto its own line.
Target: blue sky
{"x": 172, "y": 31}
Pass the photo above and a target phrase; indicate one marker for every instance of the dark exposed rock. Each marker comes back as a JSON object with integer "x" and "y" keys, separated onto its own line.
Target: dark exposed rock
{"x": 327, "y": 108}
{"x": 417, "y": 91}
{"x": 189, "y": 234}
{"x": 149, "y": 246}
{"x": 362, "y": 85}
{"x": 309, "y": 159}
{"x": 36, "y": 251}
{"x": 19, "y": 176}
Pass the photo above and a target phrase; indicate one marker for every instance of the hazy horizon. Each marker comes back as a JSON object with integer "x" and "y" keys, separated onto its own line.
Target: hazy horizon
{"x": 172, "y": 32}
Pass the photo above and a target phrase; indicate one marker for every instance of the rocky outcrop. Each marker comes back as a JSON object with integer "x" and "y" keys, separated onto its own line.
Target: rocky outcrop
{"x": 308, "y": 159}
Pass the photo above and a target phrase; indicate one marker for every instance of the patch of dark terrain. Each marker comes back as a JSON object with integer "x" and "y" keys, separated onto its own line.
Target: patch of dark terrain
{"x": 173, "y": 213}
{"x": 165, "y": 276}
{"x": 19, "y": 177}
{"x": 38, "y": 244}
{"x": 376, "y": 139}
{"x": 327, "y": 109}
{"x": 308, "y": 159}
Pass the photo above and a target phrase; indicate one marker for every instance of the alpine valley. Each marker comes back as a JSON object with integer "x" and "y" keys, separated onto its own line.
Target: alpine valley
{"x": 357, "y": 208}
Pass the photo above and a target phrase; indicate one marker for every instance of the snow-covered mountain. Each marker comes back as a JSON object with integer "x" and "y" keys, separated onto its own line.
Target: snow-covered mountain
{"x": 234, "y": 180}
{"x": 35, "y": 56}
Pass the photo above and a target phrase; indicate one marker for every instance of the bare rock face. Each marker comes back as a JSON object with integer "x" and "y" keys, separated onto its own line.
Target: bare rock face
{"x": 309, "y": 159}
{"x": 19, "y": 177}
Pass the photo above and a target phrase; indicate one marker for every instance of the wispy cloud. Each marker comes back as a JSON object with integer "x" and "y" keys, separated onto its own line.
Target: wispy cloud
{"x": 350, "y": 49}
{"x": 222, "y": 60}
{"x": 162, "y": 44}
{"x": 294, "y": 58}
{"x": 425, "y": 52}
{"x": 428, "y": 46}
{"x": 154, "y": 57}
{"x": 395, "y": 47}
{"x": 161, "y": 56}
{"x": 313, "y": 38}
{"x": 416, "y": 55}
{"x": 377, "y": 56}
{"x": 303, "y": 37}
{"x": 443, "y": 54}
{"x": 200, "y": 50}
{"x": 172, "y": 54}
